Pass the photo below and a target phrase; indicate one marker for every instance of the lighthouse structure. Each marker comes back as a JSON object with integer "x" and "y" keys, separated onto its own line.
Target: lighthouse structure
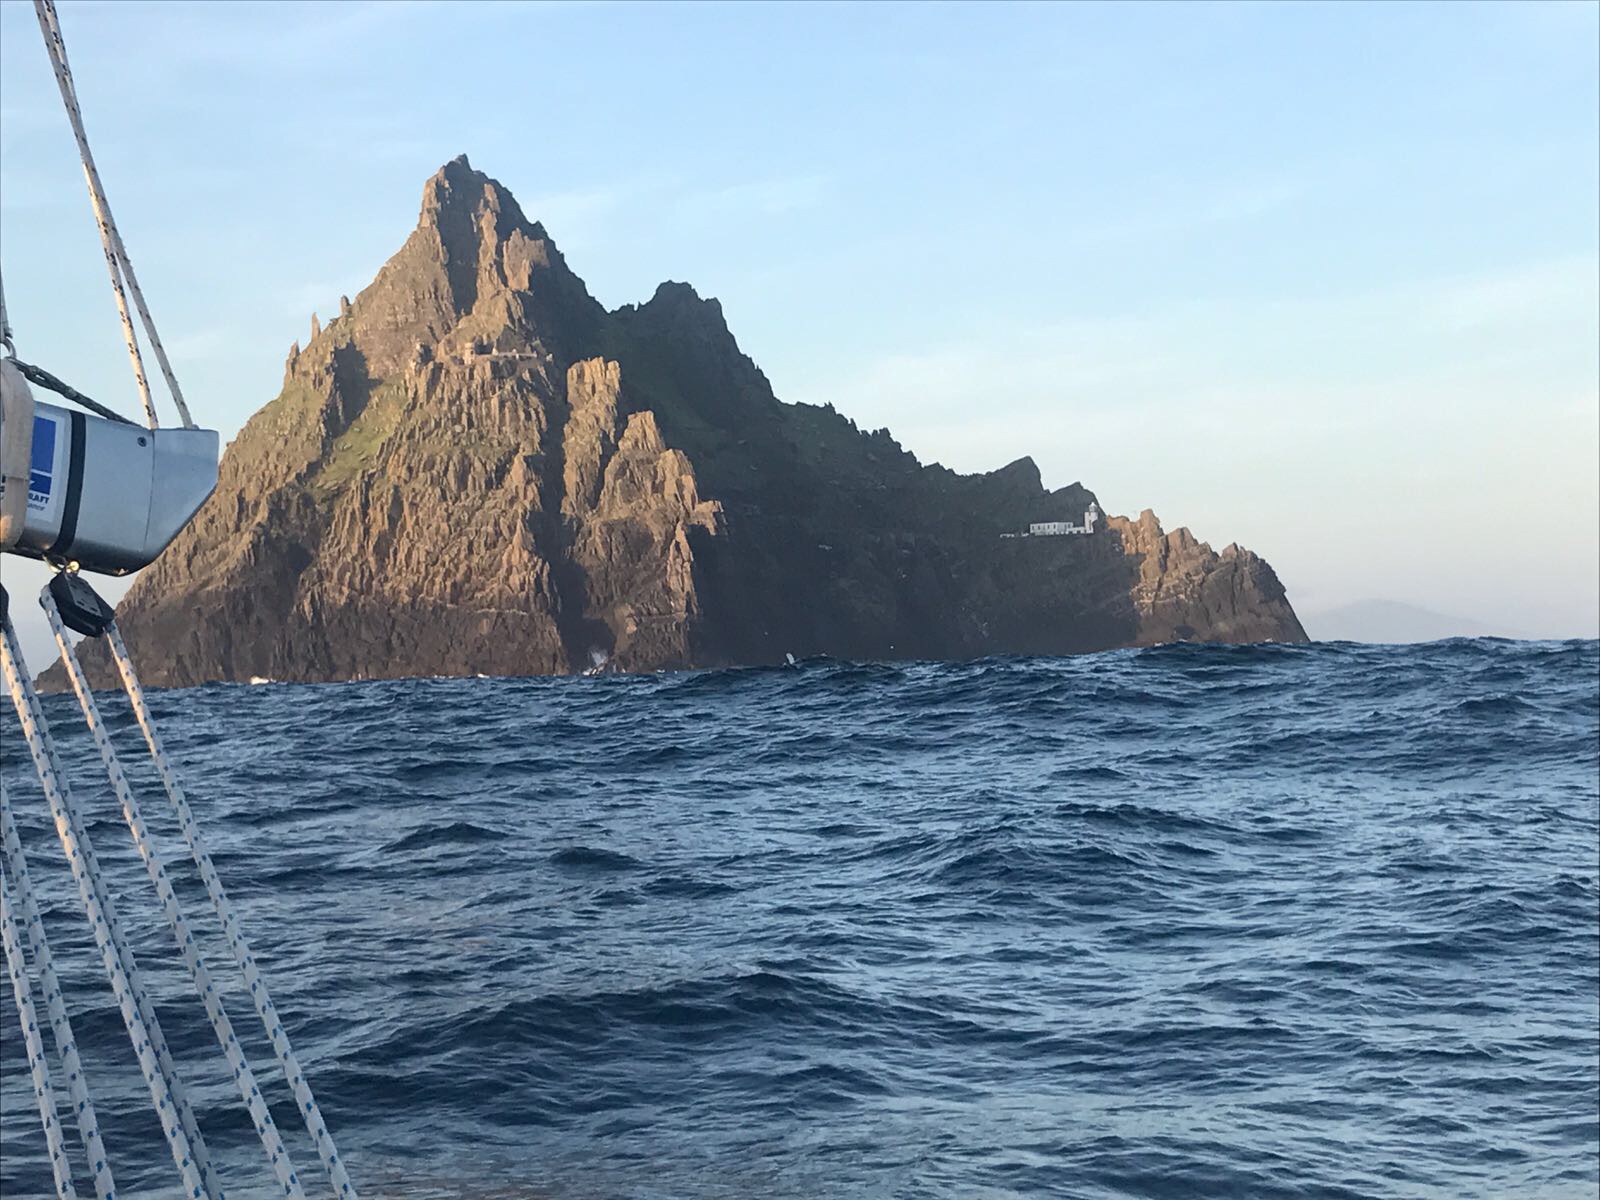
{"x": 1091, "y": 517}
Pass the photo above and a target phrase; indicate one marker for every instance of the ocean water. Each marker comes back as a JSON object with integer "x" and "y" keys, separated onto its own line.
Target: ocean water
{"x": 1191, "y": 921}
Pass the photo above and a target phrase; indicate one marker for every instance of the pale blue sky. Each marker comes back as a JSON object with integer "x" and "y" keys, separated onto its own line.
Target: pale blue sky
{"x": 1319, "y": 279}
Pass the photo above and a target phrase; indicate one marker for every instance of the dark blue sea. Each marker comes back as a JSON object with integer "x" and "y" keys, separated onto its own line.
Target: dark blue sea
{"x": 1274, "y": 921}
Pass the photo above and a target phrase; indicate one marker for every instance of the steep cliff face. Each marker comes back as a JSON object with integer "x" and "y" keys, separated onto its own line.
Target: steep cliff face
{"x": 475, "y": 468}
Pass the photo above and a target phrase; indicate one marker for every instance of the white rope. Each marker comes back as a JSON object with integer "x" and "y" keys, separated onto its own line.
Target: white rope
{"x": 47, "y": 762}
{"x": 55, "y": 1007}
{"x": 43, "y": 1092}
{"x": 117, "y": 260}
{"x": 243, "y": 1076}
{"x": 5, "y": 324}
{"x": 230, "y": 924}
{"x": 101, "y": 215}
{"x": 108, "y": 939}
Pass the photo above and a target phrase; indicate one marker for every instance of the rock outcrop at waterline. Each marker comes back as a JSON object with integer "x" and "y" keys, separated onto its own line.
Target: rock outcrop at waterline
{"x": 476, "y": 468}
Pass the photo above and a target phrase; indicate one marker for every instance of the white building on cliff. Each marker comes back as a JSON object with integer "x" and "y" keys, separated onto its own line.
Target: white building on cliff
{"x": 1066, "y": 528}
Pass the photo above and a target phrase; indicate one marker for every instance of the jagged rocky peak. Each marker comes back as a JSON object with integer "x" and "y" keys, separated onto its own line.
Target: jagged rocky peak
{"x": 474, "y": 226}
{"x": 1020, "y": 473}
{"x": 475, "y": 276}
{"x": 679, "y": 302}
{"x": 475, "y": 468}
{"x": 678, "y": 314}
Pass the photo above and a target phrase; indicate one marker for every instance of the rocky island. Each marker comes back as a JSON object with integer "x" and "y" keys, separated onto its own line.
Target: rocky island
{"x": 475, "y": 468}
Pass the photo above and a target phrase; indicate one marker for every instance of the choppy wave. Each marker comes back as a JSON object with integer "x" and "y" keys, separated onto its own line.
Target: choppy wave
{"x": 1264, "y": 921}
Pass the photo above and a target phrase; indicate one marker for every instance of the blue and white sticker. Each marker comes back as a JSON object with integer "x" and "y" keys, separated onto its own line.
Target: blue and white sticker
{"x": 42, "y": 463}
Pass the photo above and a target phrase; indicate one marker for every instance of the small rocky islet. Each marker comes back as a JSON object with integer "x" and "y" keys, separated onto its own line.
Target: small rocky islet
{"x": 476, "y": 468}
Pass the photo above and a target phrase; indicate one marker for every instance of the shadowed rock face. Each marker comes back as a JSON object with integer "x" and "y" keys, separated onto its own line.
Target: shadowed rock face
{"x": 475, "y": 468}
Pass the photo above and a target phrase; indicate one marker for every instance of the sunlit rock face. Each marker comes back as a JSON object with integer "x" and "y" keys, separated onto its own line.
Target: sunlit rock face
{"x": 474, "y": 468}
